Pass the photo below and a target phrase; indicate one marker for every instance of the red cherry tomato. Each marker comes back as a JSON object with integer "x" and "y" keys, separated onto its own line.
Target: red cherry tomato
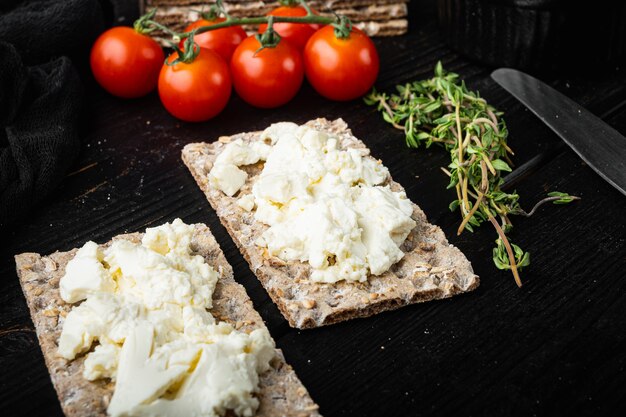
{"x": 269, "y": 78}
{"x": 195, "y": 91}
{"x": 341, "y": 69}
{"x": 125, "y": 62}
{"x": 223, "y": 41}
{"x": 296, "y": 33}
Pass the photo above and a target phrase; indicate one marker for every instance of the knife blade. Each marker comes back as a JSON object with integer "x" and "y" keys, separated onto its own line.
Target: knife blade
{"x": 598, "y": 144}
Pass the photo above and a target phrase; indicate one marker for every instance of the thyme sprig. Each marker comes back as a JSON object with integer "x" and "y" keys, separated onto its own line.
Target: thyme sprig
{"x": 442, "y": 111}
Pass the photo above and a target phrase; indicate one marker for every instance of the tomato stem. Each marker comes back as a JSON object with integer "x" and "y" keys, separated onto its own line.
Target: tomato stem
{"x": 143, "y": 24}
{"x": 219, "y": 8}
{"x": 306, "y": 7}
{"x": 288, "y": 3}
{"x": 343, "y": 27}
{"x": 269, "y": 38}
{"x": 209, "y": 15}
{"x": 190, "y": 52}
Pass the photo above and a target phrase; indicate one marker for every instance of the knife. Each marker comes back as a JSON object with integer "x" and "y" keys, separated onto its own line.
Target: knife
{"x": 598, "y": 144}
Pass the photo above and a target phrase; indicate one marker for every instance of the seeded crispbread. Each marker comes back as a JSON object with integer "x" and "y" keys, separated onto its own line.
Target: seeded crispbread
{"x": 281, "y": 392}
{"x": 431, "y": 267}
{"x": 173, "y": 15}
{"x": 265, "y": 6}
{"x": 386, "y": 18}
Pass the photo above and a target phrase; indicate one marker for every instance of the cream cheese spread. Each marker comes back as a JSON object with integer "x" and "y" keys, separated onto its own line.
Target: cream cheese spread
{"x": 225, "y": 174}
{"x": 146, "y": 306}
{"x": 324, "y": 205}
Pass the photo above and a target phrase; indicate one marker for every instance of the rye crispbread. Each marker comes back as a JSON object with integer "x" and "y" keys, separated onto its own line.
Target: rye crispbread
{"x": 431, "y": 268}
{"x": 319, "y": 5}
{"x": 281, "y": 392}
{"x": 386, "y": 18}
{"x": 173, "y": 15}
{"x": 394, "y": 27}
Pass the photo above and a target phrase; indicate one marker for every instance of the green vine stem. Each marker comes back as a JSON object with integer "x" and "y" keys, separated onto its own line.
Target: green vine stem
{"x": 269, "y": 38}
{"x": 141, "y": 25}
{"x": 189, "y": 52}
{"x": 289, "y": 3}
{"x": 342, "y": 24}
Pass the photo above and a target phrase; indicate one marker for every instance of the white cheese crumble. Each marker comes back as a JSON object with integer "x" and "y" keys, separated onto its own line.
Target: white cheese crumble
{"x": 85, "y": 275}
{"x": 225, "y": 174}
{"x": 146, "y": 304}
{"x": 324, "y": 205}
{"x": 246, "y": 202}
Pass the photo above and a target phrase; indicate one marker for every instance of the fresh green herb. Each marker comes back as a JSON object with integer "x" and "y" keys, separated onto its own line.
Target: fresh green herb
{"x": 443, "y": 111}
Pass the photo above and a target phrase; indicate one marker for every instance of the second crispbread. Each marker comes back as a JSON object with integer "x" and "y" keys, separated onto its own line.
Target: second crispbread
{"x": 281, "y": 392}
{"x": 431, "y": 267}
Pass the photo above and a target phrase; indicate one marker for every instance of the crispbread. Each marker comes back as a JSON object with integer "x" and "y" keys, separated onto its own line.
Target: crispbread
{"x": 182, "y": 15}
{"x": 431, "y": 268}
{"x": 386, "y": 18}
{"x": 395, "y": 27}
{"x": 262, "y": 5}
{"x": 281, "y": 394}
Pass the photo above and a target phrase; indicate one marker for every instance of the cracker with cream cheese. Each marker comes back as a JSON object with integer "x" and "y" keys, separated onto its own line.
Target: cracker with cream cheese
{"x": 281, "y": 392}
{"x": 431, "y": 268}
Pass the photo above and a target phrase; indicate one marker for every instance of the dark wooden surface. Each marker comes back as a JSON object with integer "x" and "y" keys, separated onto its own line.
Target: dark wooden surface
{"x": 555, "y": 347}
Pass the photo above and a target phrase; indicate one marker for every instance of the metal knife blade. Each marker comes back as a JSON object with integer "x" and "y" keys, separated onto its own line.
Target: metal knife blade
{"x": 598, "y": 144}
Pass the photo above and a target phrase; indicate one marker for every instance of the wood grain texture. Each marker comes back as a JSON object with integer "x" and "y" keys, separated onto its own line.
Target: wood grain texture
{"x": 555, "y": 347}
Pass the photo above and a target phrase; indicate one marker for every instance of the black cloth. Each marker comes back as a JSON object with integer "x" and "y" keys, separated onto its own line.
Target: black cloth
{"x": 39, "y": 108}
{"x": 44, "y": 29}
{"x": 40, "y": 95}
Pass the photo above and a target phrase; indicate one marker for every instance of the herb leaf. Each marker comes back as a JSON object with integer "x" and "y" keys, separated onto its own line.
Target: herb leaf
{"x": 500, "y": 165}
{"x": 564, "y": 197}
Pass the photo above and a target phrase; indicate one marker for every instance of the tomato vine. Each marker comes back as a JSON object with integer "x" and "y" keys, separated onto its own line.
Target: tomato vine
{"x": 342, "y": 24}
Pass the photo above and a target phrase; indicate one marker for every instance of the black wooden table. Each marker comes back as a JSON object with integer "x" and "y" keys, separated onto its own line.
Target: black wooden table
{"x": 555, "y": 347}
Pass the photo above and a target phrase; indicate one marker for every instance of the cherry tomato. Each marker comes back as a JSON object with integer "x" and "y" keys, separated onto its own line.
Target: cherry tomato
{"x": 195, "y": 91}
{"x": 223, "y": 41}
{"x": 341, "y": 69}
{"x": 125, "y": 62}
{"x": 296, "y": 33}
{"x": 269, "y": 78}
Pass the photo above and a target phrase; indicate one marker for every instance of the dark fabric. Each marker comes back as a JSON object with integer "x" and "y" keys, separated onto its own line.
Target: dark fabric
{"x": 40, "y": 95}
{"x": 122, "y": 12}
{"x": 39, "y": 139}
{"x": 44, "y": 29}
